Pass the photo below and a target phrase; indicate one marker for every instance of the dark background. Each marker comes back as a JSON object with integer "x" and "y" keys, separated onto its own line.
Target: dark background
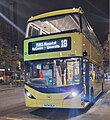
{"x": 19, "y": 11}
{"x": 96, "y": 11}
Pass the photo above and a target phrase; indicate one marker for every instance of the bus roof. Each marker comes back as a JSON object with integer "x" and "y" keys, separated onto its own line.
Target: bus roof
{"x": 54, "y": 13}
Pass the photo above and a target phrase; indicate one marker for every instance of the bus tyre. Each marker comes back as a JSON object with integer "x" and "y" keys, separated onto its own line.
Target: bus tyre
{"x": 92, "y": 95}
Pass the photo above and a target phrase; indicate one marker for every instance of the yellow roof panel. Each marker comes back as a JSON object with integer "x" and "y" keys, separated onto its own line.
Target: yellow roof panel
{"x": 54, "y": 13}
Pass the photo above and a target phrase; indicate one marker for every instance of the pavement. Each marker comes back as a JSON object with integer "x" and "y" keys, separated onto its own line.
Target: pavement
{"x": 7, "y": 86}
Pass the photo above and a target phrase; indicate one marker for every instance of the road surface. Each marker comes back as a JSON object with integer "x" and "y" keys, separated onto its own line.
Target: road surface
{"x": 12, "y": 108}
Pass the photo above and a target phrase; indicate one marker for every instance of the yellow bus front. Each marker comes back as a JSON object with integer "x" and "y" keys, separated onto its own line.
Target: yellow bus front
{"x": 61, "y": 97}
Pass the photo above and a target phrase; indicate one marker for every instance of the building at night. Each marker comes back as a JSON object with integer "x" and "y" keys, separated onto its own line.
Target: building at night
{"x": 7, "y": 32}
{"x": 9, "y": 42}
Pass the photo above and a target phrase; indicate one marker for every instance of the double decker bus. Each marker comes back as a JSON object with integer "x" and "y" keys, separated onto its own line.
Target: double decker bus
{"x": 63, "y": 60}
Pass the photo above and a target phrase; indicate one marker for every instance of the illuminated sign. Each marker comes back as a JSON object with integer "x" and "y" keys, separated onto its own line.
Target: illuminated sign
{"x": 51, "y": 45}
{"x": 2, "y": 69}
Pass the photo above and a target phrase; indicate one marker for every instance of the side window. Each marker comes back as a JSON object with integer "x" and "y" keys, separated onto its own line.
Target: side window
{"x": 33, "y": 31}
{"x": 96, "y": 71}
{"x": 43, "y": 32}
{"x": 99, "y": 73}
{"x": 92, "y": 72}
{"x": 73, "y": 71}
{"x": 85, "y": 27}
{"x": 88, "y": 31}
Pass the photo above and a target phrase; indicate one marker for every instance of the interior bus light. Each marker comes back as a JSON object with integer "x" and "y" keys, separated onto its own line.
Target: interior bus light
{"x": 50, "y": 24}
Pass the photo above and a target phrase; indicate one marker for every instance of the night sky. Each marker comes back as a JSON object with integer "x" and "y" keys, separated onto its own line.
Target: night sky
{"x": 96, "y": 12}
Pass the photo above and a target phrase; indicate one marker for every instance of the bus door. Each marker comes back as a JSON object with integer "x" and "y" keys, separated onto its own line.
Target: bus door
{"x": 86, "y": 78}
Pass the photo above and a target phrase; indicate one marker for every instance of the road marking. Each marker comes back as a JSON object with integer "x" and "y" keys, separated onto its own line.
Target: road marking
{"x": 101, "y": 98}
{"x": 98, "y": 101}
{"x": 9, "y": 118}
{"x": 5, "y": 92}
{"x": 108, "y": 92}
{"x": 26, "y": 109}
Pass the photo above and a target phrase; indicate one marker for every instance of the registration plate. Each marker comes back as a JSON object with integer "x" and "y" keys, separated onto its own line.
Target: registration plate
{"x": 49, "y": 105}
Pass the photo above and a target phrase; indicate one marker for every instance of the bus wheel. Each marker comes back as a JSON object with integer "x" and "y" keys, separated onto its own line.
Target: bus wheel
{"x": 92, "y": 95}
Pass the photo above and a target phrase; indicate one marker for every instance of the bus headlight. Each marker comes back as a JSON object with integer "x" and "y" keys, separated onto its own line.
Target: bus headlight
{"x": 29, "y": 94}
{"x": 73, "y": 94}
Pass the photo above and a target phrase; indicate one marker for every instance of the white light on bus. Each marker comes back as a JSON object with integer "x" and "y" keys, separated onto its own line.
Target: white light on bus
{"x": 29, "y": 94}
{"x": 83, "y": 44}
{"x": 74, "y": 41}
{"x": 74, "y": 94}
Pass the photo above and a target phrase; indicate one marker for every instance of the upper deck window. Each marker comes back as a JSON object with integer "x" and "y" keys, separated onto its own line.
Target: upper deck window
{"x": 89, "y": 33}
{"x": 33, "y": 30}
{"x": 53, "y": 24}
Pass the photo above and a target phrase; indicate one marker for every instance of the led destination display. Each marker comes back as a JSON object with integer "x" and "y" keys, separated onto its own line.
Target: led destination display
{"x": 52, "y": 45}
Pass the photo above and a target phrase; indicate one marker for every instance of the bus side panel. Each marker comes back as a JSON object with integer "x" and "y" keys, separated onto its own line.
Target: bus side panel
{"x": 95, "y": 58}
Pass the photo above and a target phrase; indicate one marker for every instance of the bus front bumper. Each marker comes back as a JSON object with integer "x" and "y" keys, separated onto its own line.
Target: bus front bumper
{"x": 56, "y": 103}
